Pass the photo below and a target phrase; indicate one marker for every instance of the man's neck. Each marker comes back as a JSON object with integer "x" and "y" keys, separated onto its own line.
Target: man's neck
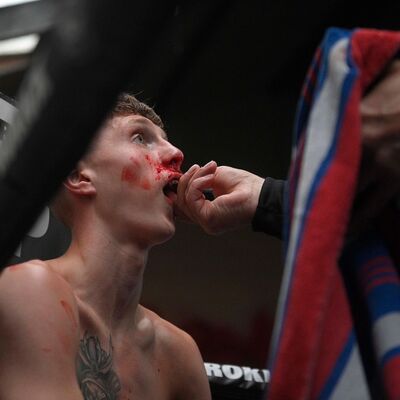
{"x": 105, "y": 275}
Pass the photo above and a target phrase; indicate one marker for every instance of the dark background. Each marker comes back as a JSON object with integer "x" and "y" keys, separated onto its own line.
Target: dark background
{"x": 225, "y": 76}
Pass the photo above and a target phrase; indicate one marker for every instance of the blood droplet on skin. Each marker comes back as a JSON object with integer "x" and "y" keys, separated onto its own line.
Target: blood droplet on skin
{"x": 46, "y": 350}
{"x": 145, "y": 184}
{"x": 128, "y": 175}
{"x": 15, "y": 268}
{"x": 160, "y": 168}
{"x": 68, "y": 310}
{"x": 156, "y": 166}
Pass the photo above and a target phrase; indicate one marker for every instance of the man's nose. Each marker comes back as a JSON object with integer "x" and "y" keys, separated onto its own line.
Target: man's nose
{"x": 172, "y": 156}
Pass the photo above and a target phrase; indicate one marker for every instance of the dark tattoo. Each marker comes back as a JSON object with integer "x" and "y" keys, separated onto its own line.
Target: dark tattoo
{"x": 94, "y": 368}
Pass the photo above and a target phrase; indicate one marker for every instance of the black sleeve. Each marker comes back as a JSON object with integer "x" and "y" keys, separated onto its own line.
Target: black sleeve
{"x": 269, "y": 214}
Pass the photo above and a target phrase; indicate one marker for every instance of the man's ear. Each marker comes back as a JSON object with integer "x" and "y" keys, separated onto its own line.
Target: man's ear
{"x": 78, "y": 182}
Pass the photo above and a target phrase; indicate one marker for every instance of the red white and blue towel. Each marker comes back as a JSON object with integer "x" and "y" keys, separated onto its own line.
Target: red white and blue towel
{"x": 329, "y": 344}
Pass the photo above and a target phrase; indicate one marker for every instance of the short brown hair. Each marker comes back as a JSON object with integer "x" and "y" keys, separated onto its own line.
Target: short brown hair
{"x": 128, "y": 104}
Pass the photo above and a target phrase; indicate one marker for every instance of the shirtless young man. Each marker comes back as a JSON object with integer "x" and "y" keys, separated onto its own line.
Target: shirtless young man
{"x": 73, "y": 325}
{"x": 72, "y": 328}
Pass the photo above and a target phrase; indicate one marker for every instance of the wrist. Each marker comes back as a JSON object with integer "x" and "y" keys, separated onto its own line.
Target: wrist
{"x": 254, "y": 196}
{"x": 268, "y": 216}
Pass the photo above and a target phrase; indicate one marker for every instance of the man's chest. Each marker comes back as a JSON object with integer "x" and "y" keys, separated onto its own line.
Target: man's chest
{"x": 142, "y": 376}
{"x": 115, "y": 372}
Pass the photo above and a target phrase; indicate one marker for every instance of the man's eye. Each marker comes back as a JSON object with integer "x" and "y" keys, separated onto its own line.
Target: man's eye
{"x": 138, "y": 138}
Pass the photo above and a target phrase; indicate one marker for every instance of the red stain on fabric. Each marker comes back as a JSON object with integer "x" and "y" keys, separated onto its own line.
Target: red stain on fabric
{"x": 68, "y": 310}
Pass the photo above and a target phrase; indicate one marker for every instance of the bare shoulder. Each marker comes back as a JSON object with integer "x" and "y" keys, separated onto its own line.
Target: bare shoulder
{"x": 33, "y": 296}
{"x": 34, "y": 284}
{"x": 169, "y": 334}
{"x": 182, "y": 358}
{"x": 39, "y": 332}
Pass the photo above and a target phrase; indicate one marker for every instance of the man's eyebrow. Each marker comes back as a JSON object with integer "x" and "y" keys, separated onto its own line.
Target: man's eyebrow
{"x": 146, "y": 121}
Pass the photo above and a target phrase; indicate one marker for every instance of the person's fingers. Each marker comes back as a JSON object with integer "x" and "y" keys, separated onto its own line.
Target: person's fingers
{"x": 384, "y": 98}
{"x": 380, "y": 109}
{"x": 195, "y": 190}
{"x": 184, "y": 206}
{"x": 184, "y": 181}
{"x": 180, "y": 209}
{"x": 207, "y": 169}
{"x": 379, "y": 128}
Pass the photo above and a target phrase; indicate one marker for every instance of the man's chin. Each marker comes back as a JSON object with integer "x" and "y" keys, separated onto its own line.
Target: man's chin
{"x": 166, "y": 234}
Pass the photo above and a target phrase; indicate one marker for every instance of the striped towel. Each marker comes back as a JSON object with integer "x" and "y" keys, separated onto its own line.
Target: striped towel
{"x": 319, "y": 350}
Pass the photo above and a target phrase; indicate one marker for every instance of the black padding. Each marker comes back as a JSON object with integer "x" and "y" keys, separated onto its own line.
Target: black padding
{"x": 27, "y": 18}
{"x": 77, "y": 72}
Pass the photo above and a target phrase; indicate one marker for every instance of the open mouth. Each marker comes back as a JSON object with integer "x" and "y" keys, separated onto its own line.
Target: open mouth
{"x": 171, "y": 188}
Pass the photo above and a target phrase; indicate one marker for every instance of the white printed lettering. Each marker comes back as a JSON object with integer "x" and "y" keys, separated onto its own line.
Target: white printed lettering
{"x": 213, "y": 370}
{"x": 252, "y": 374}
{"x": 232, "y": 371}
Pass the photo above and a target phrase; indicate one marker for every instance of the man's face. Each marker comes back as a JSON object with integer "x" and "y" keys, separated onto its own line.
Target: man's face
{"x": 133, "y": 167}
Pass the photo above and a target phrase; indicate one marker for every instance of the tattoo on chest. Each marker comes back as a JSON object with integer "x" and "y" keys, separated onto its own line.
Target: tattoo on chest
{"x": 94, "y": 368}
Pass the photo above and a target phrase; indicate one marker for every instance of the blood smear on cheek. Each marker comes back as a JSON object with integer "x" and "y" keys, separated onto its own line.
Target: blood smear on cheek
{"x": 157, "y": 167}
{"x": 128, "y": 175}
{"x": 145, "y": 184}
{"x": 161, "y": 168}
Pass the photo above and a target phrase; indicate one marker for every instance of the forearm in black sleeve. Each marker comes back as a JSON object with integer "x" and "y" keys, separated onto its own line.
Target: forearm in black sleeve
{"x": 269, "y": 214}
